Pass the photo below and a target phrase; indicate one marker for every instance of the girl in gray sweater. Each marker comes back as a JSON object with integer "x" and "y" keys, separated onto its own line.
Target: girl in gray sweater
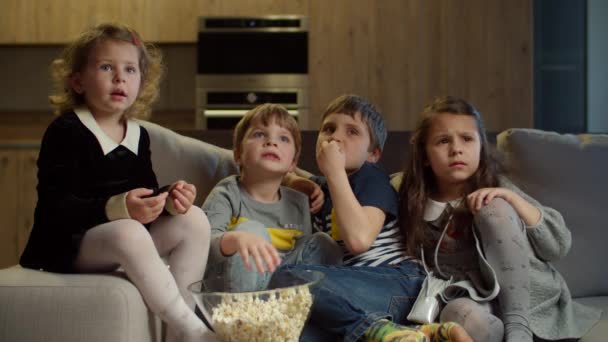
{"x": 492, "y": 239}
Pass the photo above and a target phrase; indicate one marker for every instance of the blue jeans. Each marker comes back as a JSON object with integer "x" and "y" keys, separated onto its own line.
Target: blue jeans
{"x": 350, "y": 299}
{"x": 313, "y": 249}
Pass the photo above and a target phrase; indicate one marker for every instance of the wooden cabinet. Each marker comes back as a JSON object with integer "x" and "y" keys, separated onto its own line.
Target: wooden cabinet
{"x": 171, "y": 21}
{"x": 399, "y": 54}
{"x": 8, "y": 207}
{"x": 18, "y": 183}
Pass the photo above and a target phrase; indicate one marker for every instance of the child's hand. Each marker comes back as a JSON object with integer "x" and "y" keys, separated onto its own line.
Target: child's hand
{"x": 145, "y": 210}
{"x": 317, "y": 198}
{"x": 311, "y": 189}
{"x": 530, "y": 214}
{"x": 481, "y": 197}
{"x": 249, "y": 244}
{"x": 182, "y": 194}
{"x": 330, "y": 157}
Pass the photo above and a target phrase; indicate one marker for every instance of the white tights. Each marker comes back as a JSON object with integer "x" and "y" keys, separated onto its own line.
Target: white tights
{"x": 504, "y": 243}
{"x": 182, "y": 239}
{"x": 475, "y": 318}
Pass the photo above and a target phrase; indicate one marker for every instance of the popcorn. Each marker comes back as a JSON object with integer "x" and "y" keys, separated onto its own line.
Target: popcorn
{"x": 268, "y": 316}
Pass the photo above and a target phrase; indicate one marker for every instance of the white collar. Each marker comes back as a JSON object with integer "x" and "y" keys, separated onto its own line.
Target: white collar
{"x": 434, "y": 209}
{"x": 131, "y": 140}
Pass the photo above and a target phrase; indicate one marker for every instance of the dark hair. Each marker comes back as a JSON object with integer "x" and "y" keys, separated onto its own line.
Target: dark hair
{"x": 353, "y": 104}
{"x": 266, "y": 113}
{"x": 419, "y": 180}
{"x": 75, "y": 56}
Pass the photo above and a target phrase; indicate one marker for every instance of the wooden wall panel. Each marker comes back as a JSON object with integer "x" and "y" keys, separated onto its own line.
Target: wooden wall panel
{"x": 482, "y": 53}
{"x": 520, "y": 70}
{"x": 397, "y": 85}
{"x": 398, "y": 53}
{"x": 402, "y": 54}
{"x": 338, "y": 52}
{"x": 59, "y": 21}
{"x": 260, "y": 7}
{"x": 18, "y": 182}
{"x": 28, "y": 180}
{"x": 8, "y": 208}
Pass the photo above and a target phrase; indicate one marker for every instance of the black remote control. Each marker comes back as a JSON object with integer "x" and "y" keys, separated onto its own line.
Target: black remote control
{"x": 158, "y": 191}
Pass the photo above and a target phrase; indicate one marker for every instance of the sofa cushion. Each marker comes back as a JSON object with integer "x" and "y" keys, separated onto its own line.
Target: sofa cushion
{"x": 568, "y": 173}
{"x": 47, "y": 307}
{"x": 600, "y": 330}
{"x": 176, "y": 157}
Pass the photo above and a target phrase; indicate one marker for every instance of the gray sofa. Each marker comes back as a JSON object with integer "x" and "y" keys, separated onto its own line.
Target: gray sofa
{"x": 563, "y": 171}
{"x": 39, "y": 306}
{"x": 569, "y": 173}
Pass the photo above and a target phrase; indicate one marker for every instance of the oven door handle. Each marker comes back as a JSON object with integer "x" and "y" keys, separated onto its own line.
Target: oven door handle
{"x": 223, "y": 113}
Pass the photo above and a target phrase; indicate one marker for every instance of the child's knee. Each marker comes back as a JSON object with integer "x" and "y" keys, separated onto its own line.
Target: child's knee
{"x": 130, "y": 233}
{"x": 198, "y": 222}
{"x": 324, "y": 249}
{"x": 497, "y": 206}
{"x": 237, "y": 277}
{"x": 322, "y": 240}
{"x": 498, "y": 213}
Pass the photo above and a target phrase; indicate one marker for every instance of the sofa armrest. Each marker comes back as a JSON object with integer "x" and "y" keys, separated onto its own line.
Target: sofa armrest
{"x": 568, "y": 173}
{"x": 175, "y": 157}
{"x": 47, "y": 307}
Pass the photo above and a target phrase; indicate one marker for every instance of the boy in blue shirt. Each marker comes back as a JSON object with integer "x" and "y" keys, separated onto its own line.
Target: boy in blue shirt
{"x": 360, "y": 208}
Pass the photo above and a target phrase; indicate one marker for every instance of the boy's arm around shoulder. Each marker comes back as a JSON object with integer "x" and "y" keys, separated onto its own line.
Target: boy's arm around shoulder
{"x": 301, "y": 172}
{"x": 302, "y": 181}
{"x": 550, "y": 237}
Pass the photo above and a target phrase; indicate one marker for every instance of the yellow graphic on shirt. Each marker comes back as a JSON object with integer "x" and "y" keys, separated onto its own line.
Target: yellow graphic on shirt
{"x": 281, "y": 238}
{"x": 234, "y": 221}
{"x": 335, "y": 231}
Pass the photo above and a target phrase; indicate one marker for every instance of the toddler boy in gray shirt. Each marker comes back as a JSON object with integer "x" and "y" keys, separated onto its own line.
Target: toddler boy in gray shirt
{"x": 257, "y": 224}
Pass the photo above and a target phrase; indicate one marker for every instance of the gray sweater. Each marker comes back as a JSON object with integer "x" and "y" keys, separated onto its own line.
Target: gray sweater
{"x": 228, "y": 205}
{"x": 553, "y": 313}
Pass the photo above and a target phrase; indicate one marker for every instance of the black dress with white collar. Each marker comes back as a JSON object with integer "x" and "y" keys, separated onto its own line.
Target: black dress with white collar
{"x": 79, "y": 169}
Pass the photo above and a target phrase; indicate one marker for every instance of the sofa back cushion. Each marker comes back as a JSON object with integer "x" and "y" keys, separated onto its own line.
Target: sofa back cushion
{"x": 568, "y": 173}
{"x": 176, "y": 157}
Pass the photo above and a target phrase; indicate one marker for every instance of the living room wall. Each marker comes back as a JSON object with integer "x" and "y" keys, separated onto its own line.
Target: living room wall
{"x": 597, "y": 70}
{"x": 398, "y": 53}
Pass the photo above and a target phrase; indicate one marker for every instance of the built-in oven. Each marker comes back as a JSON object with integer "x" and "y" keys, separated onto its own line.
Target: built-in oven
{"x": 245, "y": 61}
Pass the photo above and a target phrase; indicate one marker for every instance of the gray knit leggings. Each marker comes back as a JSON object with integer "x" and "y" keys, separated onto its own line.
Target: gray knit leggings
{"x": 502, "y": 235}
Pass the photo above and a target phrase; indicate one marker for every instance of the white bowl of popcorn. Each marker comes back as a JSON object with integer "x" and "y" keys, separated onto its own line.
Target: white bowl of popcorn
{"x": 275, "y": 314}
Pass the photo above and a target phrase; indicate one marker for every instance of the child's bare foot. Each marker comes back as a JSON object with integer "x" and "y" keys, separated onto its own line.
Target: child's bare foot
{"x": 445, "y": 332}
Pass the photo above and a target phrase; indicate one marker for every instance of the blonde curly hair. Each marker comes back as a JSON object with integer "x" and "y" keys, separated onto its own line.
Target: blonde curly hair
{"x": 74, "y": 59}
